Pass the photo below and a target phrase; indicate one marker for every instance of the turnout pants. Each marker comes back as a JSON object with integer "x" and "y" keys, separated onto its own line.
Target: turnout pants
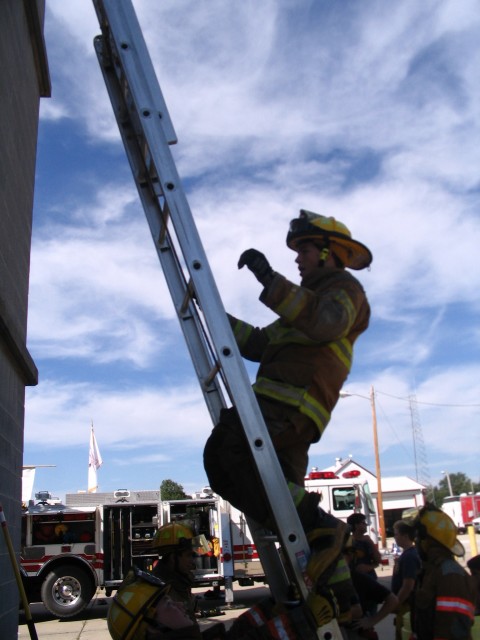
{"x": 230, "y": 466}
{"x": 232, "y": 473}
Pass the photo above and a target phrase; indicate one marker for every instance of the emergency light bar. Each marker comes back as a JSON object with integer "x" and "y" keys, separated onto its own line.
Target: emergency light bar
{"x": 322, "y": 475}
{"x": 351, "y": 474}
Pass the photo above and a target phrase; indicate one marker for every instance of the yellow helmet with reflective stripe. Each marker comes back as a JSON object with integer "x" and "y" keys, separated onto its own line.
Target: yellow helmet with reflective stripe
{"x": 172, "y": 537}
{"x": 436, "y": 524}
{"x": 331, "y": 233}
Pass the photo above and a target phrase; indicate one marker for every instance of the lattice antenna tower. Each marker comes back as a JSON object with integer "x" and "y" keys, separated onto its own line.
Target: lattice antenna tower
{"x": 422, "y": 471}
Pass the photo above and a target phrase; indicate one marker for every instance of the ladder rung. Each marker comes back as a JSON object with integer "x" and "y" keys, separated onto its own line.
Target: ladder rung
{"x": 212, "y": 375}
{"x": 269, "y": 537}
{"x": 163, "y": 229}
{"x": 189, "y": 293}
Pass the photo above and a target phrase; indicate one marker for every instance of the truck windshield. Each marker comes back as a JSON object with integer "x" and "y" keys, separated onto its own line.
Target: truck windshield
{"x": 343, "y": 498}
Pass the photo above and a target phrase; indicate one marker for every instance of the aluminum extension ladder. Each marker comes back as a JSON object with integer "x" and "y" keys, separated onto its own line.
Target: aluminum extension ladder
{"x": 147, "y": 132}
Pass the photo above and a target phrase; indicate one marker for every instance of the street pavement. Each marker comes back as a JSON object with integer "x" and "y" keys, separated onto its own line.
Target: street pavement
{"x": 92, "y": 623}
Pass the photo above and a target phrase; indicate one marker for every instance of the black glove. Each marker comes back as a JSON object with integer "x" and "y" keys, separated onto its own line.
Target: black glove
{"x": 258, "y": 265}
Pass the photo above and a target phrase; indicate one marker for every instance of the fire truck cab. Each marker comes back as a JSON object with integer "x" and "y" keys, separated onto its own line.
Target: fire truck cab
{"x": 343, "y": 495}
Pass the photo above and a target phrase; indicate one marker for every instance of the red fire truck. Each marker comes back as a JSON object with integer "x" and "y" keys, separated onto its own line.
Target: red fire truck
{"x": 68, "y": 551}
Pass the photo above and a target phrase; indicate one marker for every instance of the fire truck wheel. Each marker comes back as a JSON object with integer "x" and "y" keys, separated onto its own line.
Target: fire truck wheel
{"x": 67, "y": 590}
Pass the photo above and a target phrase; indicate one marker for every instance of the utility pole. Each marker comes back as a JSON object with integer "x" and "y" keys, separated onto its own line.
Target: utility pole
{"x": 381, "y": 520}
{"x": 445, "y": 473}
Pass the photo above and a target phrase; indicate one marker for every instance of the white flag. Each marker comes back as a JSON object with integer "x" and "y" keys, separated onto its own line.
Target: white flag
{"x": 94, "y": 462}
{"x": 28, "y": 478}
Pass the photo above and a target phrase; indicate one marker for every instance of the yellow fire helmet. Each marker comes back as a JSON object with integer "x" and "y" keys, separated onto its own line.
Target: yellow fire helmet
{"x": 432, "y": 522}
{"x": 172, "y": 537}
{"x": 134, "y": 606}
{"x": 330, "y": 233}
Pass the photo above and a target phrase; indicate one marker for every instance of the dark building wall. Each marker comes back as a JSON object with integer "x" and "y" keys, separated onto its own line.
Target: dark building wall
{"x": 23, "y": 80}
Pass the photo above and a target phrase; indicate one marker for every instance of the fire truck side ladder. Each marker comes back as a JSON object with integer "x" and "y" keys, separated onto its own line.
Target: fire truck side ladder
{"x": 147, "y": 132}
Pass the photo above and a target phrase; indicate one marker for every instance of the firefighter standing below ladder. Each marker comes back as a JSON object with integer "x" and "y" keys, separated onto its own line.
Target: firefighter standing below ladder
{"x": 175, "y": 619}
{"x": 177, "y": 548}
{"x": 443, "y": 604}
{"x": 305, "y": 357}
{"x": 174, "y": 544}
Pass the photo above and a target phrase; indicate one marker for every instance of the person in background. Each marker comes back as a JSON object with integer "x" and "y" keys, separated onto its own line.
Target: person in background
{"x": 444, "y": 600}
{"x": 405, "y": 572}
{"x": 370, "y": 591}
{"x": 474, "y": 566}
{"x": 366, "y": 556}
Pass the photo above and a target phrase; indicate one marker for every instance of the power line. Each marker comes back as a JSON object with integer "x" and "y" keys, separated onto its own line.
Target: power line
{"x": 387, "y": 420}
{"x": 433, "y": 404}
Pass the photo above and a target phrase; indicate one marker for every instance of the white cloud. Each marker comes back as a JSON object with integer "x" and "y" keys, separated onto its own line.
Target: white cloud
{"x": 124, "y": 417}
{"x": 369, "y": 115}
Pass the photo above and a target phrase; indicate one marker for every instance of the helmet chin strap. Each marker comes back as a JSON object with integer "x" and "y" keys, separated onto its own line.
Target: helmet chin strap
{"x": 176, "y": 567}
{"x": 324, "y": 253}
{"x": 422, "y": 547}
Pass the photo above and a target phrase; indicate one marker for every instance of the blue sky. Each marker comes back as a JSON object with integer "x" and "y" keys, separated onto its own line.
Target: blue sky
{"x": 364, "y": 111}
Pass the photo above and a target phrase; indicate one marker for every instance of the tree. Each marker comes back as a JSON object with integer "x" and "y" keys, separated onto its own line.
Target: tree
{"x": 170, "y": 490}
{"x": 460, "y": 482}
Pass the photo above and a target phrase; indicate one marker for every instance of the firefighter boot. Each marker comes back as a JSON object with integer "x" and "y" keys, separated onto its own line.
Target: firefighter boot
{"x": 326, "y": 544}
{"x": 341, "y": 585}
{"x": 323, "y": 606}
{"x": 326, "y": 536}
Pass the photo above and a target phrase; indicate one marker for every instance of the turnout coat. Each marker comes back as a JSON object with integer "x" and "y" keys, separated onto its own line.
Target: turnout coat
{"x": 305, "y": 356}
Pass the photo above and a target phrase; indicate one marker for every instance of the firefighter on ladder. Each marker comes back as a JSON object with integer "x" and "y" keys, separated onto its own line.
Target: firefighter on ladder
{"x": 305, "y": 357}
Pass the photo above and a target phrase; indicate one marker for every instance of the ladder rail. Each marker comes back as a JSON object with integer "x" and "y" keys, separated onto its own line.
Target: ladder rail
{"x": 147, "y": 132}
{"x": 203, "y": 359}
